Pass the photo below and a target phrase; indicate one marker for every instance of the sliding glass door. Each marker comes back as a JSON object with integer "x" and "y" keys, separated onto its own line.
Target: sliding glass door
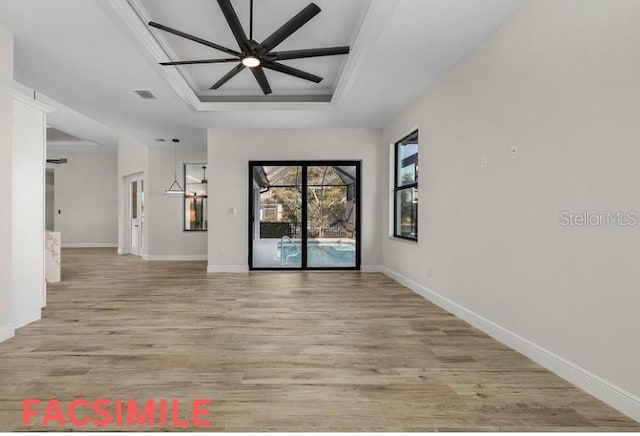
{"x": 331, "y": 216}
{"x": 304, "y": 215}
{"x": 276, "y": 197}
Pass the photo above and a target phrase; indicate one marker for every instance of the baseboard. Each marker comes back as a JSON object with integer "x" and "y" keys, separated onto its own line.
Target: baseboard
{"x": 7, "y": 332}
{"x": 595, "y": 385}
{"x": 227, "y": 269}
{"x": 89, "y": 245}
{"x": 121, "y": 251}
{"x": 244, "y": 269}
{"x": 174, "y": 257}
{"x": 26, "y": 321}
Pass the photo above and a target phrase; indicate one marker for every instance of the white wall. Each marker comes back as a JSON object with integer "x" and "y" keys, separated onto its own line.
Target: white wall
{"x": 86, "y": 193}
{"x": 560, "y": 81}
{"x": 167, "y": 240}
{"x": 163, "y": 237}
{"x": 6, "y": 110}
{"x": 133, "y": 157}
{"x": 27, "y": 207}
{"x": 229, "y": 154}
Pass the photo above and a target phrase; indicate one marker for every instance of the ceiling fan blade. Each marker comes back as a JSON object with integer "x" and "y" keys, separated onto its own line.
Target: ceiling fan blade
{"x": 201, "y": 61}
{"x": 261, "y": 78}
{"x": 308, "y": 53}
{"x": 234, "y": 23}
{"x": 194, "y": 38}
{"x": 289, "y": 28}
{"x": 230, "y": 75}
{"x": 286, "y": 69}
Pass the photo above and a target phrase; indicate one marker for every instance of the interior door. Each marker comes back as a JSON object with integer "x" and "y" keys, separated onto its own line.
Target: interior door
{"x": 136, "y": 213}
{"x": 304, "y": 215}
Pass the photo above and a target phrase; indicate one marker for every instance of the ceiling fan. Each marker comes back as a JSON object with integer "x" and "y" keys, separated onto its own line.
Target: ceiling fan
{"x": 254, "y": 55}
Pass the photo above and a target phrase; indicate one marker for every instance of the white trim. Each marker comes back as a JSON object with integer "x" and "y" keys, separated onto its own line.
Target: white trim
{"x": 24, "y": 323}
{"x": 175, "y": 257}
{"x": 44, "y": 212}
{"x": 413, "y": 242}
{"x": 227, "y": 269}
{"x": 90, "y": 245}
{"x": 121, "y": 251}
{"x": 30, "y": 101}
{"x": 613, "y": 395}
{"x": 367, "y": 33}
{"x": 7, "y": 332}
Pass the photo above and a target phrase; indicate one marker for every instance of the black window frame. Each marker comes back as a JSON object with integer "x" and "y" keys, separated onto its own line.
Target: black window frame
{"x": 398, "y": 189}
{"x": 305, "y": 164}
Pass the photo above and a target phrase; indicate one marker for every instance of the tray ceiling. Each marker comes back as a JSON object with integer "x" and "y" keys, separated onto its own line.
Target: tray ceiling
{"x": 91, "y": 55}
{"x": 338, "y": 24}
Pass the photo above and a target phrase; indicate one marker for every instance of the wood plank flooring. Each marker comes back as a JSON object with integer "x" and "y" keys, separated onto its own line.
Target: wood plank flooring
{"x": 278, "y": 351}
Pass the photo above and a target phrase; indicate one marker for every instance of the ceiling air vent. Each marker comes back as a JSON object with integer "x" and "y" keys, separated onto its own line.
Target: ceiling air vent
{"x": 144, "y": 93}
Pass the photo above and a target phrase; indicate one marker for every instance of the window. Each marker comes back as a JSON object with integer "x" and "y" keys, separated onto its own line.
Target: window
{"x": 195, "y": 197}
{"x": 406, "y": 188}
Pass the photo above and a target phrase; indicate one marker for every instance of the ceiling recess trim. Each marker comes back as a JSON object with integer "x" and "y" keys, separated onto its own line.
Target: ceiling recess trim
{"x": 31, "y": 101}
{"x": 133, "y": 15}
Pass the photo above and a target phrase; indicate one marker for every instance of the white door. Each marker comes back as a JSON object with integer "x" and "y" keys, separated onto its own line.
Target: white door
{"x": 135, "y": 213}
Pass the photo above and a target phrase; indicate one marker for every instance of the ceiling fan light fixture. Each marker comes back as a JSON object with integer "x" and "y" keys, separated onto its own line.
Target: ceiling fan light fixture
{"x": 251, "y": 62}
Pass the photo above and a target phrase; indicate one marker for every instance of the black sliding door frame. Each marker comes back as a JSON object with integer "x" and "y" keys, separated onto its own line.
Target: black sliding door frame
{"x": 305, "y": 164}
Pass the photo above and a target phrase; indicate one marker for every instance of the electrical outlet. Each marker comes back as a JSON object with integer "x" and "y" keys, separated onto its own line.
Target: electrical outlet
{"x": 484, "y": 163}
{"x": 429, "y": 272}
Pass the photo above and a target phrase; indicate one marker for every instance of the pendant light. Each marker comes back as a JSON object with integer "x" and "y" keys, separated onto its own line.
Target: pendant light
{"x": 175, "y": 187}
{"x": 204, "y": 180}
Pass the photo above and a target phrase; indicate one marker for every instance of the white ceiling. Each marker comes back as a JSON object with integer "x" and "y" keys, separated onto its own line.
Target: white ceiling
{"x": 204, "y": 19}
{"x": 89, "y": 134}
{"x": 79, "y": 54}
{"x": 54, "y": 136}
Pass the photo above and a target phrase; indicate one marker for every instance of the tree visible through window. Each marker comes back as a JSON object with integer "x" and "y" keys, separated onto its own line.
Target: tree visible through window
{"x": 406, "y": 188}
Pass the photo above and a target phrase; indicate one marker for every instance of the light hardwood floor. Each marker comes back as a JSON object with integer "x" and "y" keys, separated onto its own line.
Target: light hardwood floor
{"x": 278, "y": 351}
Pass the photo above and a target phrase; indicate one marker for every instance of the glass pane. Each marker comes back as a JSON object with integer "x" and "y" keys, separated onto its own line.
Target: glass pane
{"x": 277, "y": 206}
{"x": 134, "y": 200}
{"x": 407, "y": 213}
{"x": 407, "y": 160}
{"x": 195, "y": 197}
{"x": 195, "y": 212}
{"x": 142, "y": 199}
{"x": 49, "y": 200}
{"x": 331, "y": 216}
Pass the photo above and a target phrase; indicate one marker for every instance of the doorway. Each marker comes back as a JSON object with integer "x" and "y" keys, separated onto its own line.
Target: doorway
{"x": 135, "y": 213}
{"x": 304, "y": 215}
